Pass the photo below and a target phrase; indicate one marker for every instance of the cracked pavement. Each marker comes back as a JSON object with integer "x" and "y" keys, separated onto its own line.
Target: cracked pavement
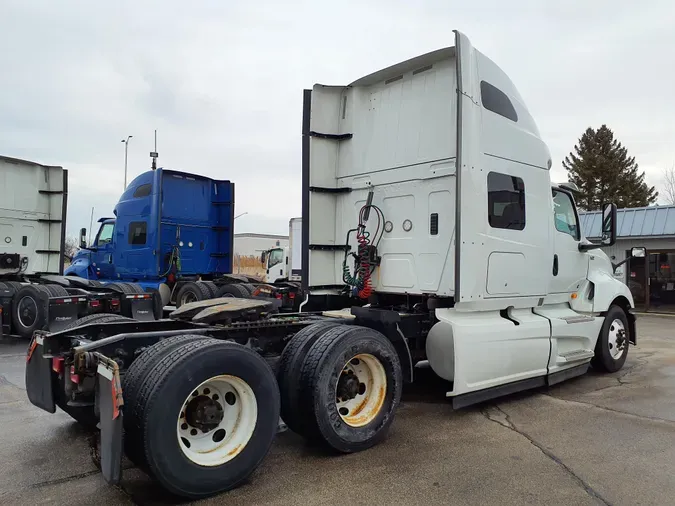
{"x": 598, "y": 439}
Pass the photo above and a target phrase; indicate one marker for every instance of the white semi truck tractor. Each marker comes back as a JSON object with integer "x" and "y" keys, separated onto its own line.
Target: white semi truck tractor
{"x": 431, "y": 231}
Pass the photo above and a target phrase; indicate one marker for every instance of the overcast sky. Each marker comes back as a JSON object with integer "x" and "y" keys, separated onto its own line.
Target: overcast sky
{"x": 222, "y": 82}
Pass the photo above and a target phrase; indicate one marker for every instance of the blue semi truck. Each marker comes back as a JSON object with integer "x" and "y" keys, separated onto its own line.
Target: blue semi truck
{"x": 172, "y": 233}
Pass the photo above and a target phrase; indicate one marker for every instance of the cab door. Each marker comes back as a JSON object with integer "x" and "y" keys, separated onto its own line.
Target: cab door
{"x": 102, "y": 256}
{"x": 569, "y": 266}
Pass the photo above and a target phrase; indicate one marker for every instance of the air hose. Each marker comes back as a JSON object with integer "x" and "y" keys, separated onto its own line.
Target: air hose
{"x": 365, "y": 258}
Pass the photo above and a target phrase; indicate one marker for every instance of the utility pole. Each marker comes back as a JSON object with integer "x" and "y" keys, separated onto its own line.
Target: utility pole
{"x": 126, "y": 152}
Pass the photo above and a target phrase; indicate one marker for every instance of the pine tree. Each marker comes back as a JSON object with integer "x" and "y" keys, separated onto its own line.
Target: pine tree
{"x": 604, "y": 173}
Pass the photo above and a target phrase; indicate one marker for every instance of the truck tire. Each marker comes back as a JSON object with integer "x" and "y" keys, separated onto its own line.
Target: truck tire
{"x": 96, "y": 318}
{"x": 351, "y": 381}
{"x": 249, "y": 288}
{"x": 288, "y": 373}
{"x": 84, "y": 415}
{"x": 137, "y": 289}
{"x": 14, "y": 285}
{"x": 56, "y": 291}
{"x": 611, "y": 349}
{"x": 213, "y": 289}
{"x": 29, "y": 313}
{"x": 192, "y": 292}
{"x": 137, "y": 373}
{"x": 195, "y": 454}
{"x": 124, "y": 288}
{"x": 234, "y": 290}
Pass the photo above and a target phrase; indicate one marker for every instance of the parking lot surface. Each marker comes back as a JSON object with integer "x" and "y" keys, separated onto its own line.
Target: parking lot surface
{"x": 598, "y": 439}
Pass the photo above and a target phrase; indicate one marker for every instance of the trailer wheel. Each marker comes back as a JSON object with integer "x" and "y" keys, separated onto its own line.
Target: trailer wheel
{"x": 234, "y": 290}
{"x": 28, "y": 310}
{"x": 213, "y": 289}
{"x": 192, "y": 292}
{"x": 56, "y": 291}
{"x": 133, "y": 381}
{"x": 211, "y": 410}
{"x": 352, "y": 381}
{"x": 611, "y": 349}
{"x": 288, "y": 373}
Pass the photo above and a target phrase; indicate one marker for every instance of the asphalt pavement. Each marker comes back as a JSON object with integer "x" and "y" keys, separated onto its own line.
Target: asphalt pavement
{"x": 598, "y": 439}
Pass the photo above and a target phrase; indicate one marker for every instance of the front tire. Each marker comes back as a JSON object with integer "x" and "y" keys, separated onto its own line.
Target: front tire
{"x": 181, "y": 399}
{"x": 352, "y": 380}
{"x": 611, "y": 349}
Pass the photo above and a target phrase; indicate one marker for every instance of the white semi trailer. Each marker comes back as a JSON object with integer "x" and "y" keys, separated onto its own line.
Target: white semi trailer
{"x": 429, "y": 213}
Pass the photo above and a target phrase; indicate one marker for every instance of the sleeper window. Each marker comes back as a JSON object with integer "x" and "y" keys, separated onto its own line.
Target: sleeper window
{"x": 137, "y": 232}
{"x": 506, "y": 201}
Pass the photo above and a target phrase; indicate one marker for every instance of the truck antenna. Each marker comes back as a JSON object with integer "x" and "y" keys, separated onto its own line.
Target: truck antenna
{"x": 153, "y": 154}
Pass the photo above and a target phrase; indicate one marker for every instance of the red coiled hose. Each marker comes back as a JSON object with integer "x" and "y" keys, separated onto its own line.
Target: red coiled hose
{"x": 364, "y": 241}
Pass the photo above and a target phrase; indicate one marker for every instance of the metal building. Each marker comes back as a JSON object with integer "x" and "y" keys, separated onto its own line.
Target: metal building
{"x": 651, "y": 279}
{"x": 249, "y": 244}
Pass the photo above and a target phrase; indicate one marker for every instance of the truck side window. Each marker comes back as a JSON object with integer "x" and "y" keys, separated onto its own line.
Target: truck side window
{"x": 506, "y": 201}
{"x": 564, "y": 215}
{"x": 497, "y": 101}
{"x": 143, "y": 191}
{"x": 138, "y": 232}
{"x": 105, "y": 234}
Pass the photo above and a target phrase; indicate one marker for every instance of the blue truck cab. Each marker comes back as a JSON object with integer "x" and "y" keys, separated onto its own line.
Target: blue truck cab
{"x": 167, "y": 226}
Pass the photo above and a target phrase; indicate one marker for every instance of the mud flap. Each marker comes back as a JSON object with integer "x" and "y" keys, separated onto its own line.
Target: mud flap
{"x": 111, "y": 421}
{"x": 61, "y": 315}
{"x": 143, "y": 309}
{"x": 39, "y": 376}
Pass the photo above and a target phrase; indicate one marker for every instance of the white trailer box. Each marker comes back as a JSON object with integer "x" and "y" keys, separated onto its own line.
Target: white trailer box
{"x": 32, "y": 217}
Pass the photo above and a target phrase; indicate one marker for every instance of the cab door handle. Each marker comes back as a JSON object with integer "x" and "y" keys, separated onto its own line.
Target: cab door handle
{"x": 555, "y": 265}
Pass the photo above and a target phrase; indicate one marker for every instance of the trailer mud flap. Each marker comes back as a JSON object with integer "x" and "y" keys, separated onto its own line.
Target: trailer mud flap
{"x": 111, "y": 421}
{"x": 39, "y": 376}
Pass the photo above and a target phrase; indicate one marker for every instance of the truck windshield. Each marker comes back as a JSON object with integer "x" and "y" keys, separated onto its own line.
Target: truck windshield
{"x": 276, "y": 257}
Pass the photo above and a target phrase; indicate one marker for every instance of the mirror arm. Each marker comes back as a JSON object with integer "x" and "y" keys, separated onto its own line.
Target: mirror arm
{"x": 586, "y": 247}
{"x": 616, "y": 266}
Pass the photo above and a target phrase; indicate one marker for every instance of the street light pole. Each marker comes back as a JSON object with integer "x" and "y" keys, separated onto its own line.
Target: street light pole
{"x": 126, "y": 151}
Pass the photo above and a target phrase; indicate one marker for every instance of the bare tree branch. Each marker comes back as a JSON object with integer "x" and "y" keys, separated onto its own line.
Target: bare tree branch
{"x": 669, "y": 185}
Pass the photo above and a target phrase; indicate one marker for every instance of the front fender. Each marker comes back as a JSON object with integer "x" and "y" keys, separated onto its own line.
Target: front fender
{"x": 81, "y": 267}
{"x": 608, "y": 289}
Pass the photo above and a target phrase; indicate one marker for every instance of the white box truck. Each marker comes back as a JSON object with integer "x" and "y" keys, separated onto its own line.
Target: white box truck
{"x": 429, "y": 214}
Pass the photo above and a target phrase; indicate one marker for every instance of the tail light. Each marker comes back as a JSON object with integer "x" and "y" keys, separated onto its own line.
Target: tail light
{"x": 94, "y": 303}
{"x": 115, "y": 303}
{"x": 279, "y": 296}
{"x": 291, "y": 295}
{"x": 74, "y": 378}
{"x": 57, "y": 365}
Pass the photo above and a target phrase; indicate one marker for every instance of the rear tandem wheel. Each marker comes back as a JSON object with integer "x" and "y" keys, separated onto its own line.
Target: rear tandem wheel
{"x": 204, "y": 416}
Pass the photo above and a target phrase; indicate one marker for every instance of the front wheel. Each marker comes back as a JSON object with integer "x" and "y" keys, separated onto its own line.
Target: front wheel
{"x": 611, "y": 349}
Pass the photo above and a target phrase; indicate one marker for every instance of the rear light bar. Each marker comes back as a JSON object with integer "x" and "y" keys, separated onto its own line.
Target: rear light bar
{"x": 139, "y": 296}
{"x": 70, "y": 300}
